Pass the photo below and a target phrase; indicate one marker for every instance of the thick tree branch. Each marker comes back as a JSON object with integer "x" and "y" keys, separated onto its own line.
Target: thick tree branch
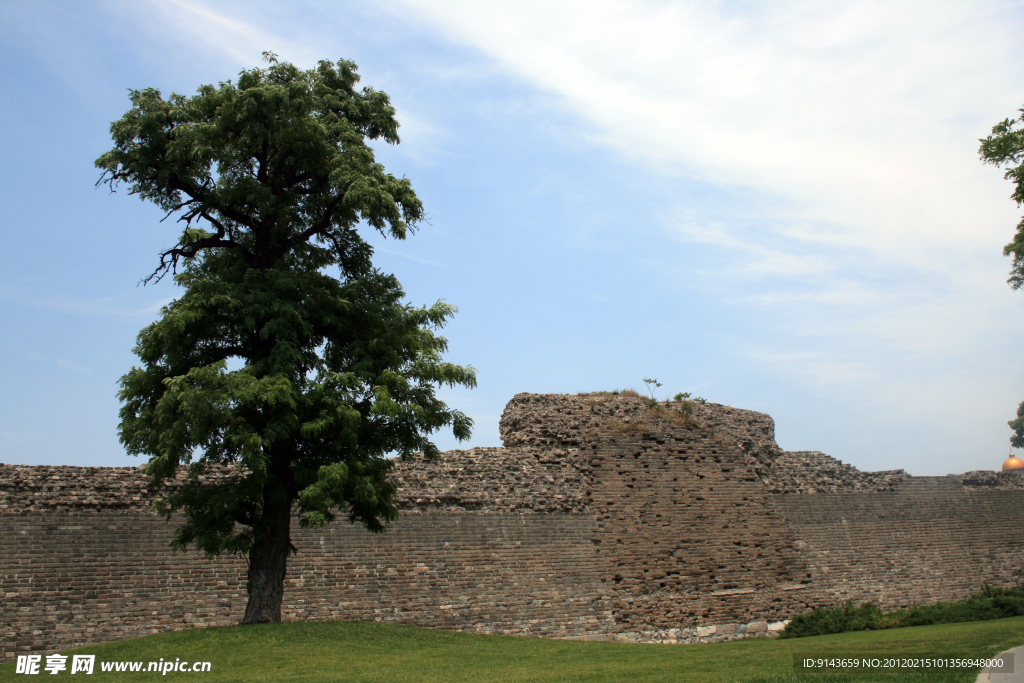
{"x": 175, "y": 182}
{"x": 169, "y": 258}
{"x": 325, "y": 221}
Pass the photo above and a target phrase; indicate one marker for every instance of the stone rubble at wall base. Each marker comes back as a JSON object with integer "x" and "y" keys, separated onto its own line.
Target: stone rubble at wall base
{"x": 717, "y": 633}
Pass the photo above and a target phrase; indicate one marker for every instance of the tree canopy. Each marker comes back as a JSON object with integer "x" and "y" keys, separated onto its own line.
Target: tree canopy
{"x": 1017, "y": 440}
{"x": 271, "y": 179}
{"x": 1005, "y": 148}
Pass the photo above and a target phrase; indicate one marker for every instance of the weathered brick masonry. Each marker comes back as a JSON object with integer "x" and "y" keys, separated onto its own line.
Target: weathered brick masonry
{"x": 599, "y": 516}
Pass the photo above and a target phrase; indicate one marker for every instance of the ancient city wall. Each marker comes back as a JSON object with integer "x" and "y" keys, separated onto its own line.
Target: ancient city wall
{"x": 79, "y": 578}
{"x": 600, "y": 516}
{"x": 932, "y": 539}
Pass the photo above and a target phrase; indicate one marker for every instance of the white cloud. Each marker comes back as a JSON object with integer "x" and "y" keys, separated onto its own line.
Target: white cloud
{"x": 222, "y": 34}
{"x": 868, "y": 249}
{"x": 60, "y": 363}
{"x": 864, "y": 114}
{"x": 85, "y": 307}
{"x": 400, "y": 254}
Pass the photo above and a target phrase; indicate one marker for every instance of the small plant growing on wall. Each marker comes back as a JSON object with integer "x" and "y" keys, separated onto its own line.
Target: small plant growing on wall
{"x": 684, "y": 405}
{"x": 655, "y": 384}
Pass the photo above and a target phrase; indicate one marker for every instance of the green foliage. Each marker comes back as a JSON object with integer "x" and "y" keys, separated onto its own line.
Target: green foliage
{"x": 277, "y": 166}
{"x": 1017, "y": 440}
{"x": 838, "y": 619}
{"x": 271, "y": 178}
{"x": 1005, "y": 148}
{"x": 681, "y": 396}
{"x": 651, "y": 385}
{"x": 988, "y": 603}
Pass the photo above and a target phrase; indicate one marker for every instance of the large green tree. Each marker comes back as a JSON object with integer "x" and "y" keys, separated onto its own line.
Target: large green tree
{"x": 1005, "y": 148}
{"x": 288, "y": 358}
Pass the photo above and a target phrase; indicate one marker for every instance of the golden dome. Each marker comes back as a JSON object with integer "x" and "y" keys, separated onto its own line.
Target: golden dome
{"x": 1013, "y": 463}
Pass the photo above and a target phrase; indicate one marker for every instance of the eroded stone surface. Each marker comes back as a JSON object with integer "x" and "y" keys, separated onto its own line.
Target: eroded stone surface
{"x": 522, "y": 479}
{"x": 567, "y": 421}
{"x": 25, "y": 488}
{"x": 989, "y": 479}
{"x": 816, "y": 472}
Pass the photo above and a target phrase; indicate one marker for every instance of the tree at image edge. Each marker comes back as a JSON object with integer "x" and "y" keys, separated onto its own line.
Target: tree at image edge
{"x": 1005, "y": 148}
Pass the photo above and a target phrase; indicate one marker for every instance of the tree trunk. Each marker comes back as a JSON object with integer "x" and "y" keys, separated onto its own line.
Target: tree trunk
{"x": 267, "y": 563}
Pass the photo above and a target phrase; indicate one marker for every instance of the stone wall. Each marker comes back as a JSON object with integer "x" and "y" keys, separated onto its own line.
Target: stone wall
{"x": 517, "y": 479}
{"x": 74, "y": 578}
{"x": 602, "y": 517}
{"x": 988, "y": 480}
{"x": 687, "y": 536}
{"x": 815, "y": 472}
{"x": 544, "y": 421}
{"x": 932, "y": 539}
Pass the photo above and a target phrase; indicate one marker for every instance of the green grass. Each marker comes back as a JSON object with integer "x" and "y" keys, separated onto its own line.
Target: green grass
{"x": 358, "y": 652}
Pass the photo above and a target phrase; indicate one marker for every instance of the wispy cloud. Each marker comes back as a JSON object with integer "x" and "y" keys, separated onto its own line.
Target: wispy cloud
{"x": 103, "y": 307}
{"x": 61, "y": 363}
{"x": 216, "y": 30}
{"x": 848, "y": 129}
{"x": 400, "y": 254}
{"x": 423, "y": 141}
{"x": 223, "y": 33}
{"x": 864, "y": 114}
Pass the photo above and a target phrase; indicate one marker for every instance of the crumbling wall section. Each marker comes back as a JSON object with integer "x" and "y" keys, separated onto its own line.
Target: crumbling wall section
{"x": 752, "y": 433}
{"x": 686, "y": 534}
{"x": 989, "y": 480}
{"x": 517, "y": 479}
{"x": 815, "y": 472}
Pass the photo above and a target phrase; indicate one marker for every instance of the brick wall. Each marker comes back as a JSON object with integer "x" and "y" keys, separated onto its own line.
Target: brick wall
{"x": 601, "y": 516}
{"x": 74, "y": 578}
{"x": 688, "y": 537}
{"x": 930, "y": 540}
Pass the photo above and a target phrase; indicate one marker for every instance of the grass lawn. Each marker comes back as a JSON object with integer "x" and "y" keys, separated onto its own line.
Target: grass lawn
{"x": 357, "y": 652}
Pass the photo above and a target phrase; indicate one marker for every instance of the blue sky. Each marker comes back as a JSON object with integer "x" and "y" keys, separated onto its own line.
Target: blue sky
{"x": 776, "y": 206}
